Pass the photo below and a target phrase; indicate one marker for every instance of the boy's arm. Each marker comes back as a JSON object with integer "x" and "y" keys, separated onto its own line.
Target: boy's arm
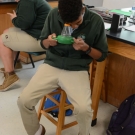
{"x": 25, "y": 16}
{"x": 101, "y": 42}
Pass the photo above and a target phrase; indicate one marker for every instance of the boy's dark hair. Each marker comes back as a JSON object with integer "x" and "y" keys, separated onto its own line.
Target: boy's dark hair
{"x": 70, "y": 10}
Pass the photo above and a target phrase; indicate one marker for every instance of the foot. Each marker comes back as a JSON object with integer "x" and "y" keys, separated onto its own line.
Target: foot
{"x": 43, "y": 130}
{"x": 10, "y": 80}
{"x": 17, "y": 66}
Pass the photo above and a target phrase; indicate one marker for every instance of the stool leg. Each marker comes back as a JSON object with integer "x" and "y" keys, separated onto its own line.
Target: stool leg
{"x": 61, "y": 116}
{"x": 32, "y": 61}
{"x": 16, "y": 58}
{"x": 41, "y": 107}
{"x": 98, "y": 81}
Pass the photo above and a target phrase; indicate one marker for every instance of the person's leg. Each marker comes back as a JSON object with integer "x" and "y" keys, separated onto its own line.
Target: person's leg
{"x": 77, "y": 86}
{"x": 43, "y": 82}
{"x": 7, "y": 58}
{"x": 17, "y": 40}
{"x": 18, "y": 64}
{"x": 14, "y": 39}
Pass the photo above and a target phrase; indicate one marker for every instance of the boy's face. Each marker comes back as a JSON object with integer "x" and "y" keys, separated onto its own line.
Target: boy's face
{"x": 79, "y": 21}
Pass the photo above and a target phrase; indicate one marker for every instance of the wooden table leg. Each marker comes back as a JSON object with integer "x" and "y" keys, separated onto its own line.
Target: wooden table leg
{"x": 99, "y": 76}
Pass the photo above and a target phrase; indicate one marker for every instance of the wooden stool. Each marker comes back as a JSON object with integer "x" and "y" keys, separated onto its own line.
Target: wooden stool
{"x": 92, "y": 78}
{"x": 62, "y": 105}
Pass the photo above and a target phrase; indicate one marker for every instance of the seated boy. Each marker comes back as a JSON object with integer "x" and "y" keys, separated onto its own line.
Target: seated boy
{"x": 28, "y": 20}
{"x": 66, "y": 66}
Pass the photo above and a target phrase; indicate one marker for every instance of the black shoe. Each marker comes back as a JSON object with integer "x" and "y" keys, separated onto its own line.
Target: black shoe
{"x": 43, "y": 130}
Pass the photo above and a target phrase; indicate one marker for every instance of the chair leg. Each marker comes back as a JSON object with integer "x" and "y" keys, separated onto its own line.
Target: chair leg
{"x": 41, "y": 107}
{"x": 31, "y": 60}
{"x": 16, "y": 58}
{"x": 61, "y": 116}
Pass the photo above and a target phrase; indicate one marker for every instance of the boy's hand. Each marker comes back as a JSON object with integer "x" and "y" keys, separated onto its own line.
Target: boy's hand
{"x": 79, "y": 44}
{"x": 50, "y": 41}
{"x": 12, "y": 15}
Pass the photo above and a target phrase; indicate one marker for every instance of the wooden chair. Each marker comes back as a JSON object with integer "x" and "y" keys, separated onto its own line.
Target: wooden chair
{"x": 62, "y": 105}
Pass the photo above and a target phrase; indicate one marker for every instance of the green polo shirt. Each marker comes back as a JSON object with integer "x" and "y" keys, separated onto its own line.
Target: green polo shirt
{"x": 65, "y": 56}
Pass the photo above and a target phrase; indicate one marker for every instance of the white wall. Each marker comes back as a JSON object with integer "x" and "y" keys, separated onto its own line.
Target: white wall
{"x": 115, "y": 4}
{"x": 96, "y": 3}
{"x": 110, "y": 4}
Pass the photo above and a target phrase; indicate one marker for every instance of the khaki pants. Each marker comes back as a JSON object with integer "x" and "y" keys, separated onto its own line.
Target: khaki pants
{"x": 47, "y": 78}
{"x": 18, "y": 40}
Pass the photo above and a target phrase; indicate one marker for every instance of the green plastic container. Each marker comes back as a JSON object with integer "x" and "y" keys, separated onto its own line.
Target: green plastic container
{"x": 67, "y": 40}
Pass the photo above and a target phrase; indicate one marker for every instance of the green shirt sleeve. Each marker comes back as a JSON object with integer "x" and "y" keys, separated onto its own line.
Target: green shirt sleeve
{"x": 101, "y": 41}
{"x": 25, "y": 15}
{"x": 46, "y": 30}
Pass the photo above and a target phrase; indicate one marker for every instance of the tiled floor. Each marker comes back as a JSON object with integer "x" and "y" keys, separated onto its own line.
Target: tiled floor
{"x": 10, "y": 120}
